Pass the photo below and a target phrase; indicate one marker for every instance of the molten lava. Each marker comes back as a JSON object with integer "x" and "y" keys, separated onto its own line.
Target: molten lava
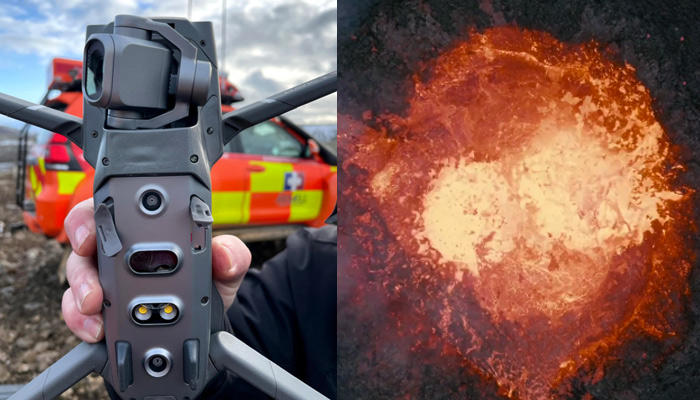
{"x": 530, "y": 183}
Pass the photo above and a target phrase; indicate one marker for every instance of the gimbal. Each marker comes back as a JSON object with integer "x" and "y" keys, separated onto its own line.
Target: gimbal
{"x": 152, "y": 128}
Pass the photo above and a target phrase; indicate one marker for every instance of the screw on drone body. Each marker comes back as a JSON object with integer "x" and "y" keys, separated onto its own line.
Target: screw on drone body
{"x": 94, "y": 134}
{"x": 194, "y": 158}
{"x": 203, "y": 43}
{"x": 105, "y": 161}
{"x": 210, "y": 130}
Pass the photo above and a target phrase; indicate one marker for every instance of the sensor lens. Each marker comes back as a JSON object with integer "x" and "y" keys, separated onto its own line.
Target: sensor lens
{"x": 151, "y": 201}
{"x": 94, "y": 61}
{"x": 155, "y": 261}
{"x": 157, "y": 362}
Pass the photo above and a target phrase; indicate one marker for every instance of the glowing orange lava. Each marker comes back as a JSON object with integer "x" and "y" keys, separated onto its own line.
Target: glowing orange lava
{"x": 532, "y": 177}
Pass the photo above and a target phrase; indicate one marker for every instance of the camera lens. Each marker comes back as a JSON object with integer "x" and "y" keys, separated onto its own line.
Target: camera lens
{"x": 94, "y": 62}
{"x": 153, "y": 261}
{"x": 151, "y": 201}
{"x": 157, "y": 362}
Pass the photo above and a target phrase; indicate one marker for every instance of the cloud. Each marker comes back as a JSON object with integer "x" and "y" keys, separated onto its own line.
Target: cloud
{"x": 260, "y": 82}
{"x": 288, "y": 44}
{"x": 270, "y": 45}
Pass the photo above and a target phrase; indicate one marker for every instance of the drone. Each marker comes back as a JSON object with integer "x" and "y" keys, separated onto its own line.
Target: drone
{"x": 152, "y": 128}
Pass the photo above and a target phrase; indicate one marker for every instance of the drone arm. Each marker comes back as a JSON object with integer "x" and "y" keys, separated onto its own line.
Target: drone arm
{"x": 43, "y": 117}
{"x": 65, "y": 373}
{"x": 260, "y": 111}
{"x": 229, "y": 353}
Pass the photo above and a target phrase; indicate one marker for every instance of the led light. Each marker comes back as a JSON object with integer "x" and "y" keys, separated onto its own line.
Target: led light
{"x": 168, "y": 312}
{"x": 142, "y": 312}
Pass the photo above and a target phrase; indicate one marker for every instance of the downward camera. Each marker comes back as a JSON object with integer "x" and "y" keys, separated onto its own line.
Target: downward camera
{"x": 157, "y": 362}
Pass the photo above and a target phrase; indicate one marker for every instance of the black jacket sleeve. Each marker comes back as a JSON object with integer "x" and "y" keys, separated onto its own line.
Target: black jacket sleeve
{"x": 287, "y": 312}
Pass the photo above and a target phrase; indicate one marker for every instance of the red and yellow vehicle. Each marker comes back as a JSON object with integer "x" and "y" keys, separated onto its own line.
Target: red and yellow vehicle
{"x": 272, "y": 178}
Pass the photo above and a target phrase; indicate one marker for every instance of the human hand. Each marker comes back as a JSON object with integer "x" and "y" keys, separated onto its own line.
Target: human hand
{"x": 82, "y": 302}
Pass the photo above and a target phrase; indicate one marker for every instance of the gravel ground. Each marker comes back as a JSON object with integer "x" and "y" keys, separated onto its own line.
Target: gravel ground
{"x": 32, "y": 332}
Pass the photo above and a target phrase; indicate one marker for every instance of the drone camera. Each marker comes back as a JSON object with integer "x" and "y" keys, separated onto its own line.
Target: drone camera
{"x": 125, "y": 73}
{"x": 144, "y": 74}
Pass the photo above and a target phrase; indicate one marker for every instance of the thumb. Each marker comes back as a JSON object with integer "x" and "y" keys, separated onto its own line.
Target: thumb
{"x": 230, "y": 261}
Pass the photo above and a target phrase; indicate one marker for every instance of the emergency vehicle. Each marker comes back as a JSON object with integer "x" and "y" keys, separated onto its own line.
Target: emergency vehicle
{"x": 272, "y": 179}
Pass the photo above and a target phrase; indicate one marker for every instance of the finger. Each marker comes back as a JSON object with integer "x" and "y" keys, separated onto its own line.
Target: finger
{"x": 84, "y": 284}
{"x": 89, "y": 328}
{"x": 80, "y": 228}
{"x": 230, "y": 261}
{"x": 230, "y": 258}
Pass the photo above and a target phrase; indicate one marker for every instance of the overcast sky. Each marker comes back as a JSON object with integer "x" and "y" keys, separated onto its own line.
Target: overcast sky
{"x": 270, "y": 44}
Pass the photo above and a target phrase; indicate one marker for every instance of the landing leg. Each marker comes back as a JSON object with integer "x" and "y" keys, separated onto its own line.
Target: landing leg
{"x": 228, "y": 352}
{"x": 65, "y": 373}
